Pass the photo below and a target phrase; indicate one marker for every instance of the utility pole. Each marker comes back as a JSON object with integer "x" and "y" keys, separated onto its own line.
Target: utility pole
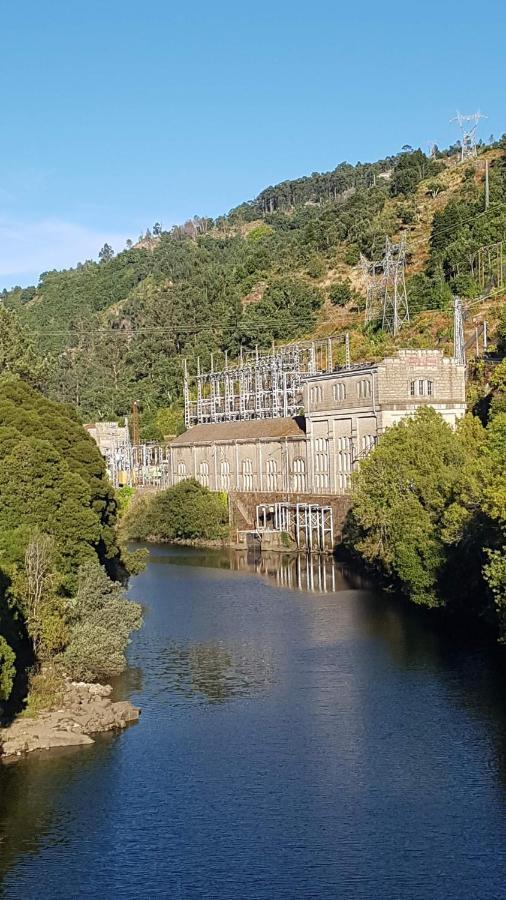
{"x": 459, "y": 350}
{"x": 487, "y": 186}
{"x": 134, "y": 424}
{"x": 347, "y": 350}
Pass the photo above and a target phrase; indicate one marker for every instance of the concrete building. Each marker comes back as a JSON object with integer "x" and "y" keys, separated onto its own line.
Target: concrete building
{"x": 346, "y": 410}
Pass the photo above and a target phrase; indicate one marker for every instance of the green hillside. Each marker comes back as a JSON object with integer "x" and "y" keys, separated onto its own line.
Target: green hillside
{"x": 280, "y": 267}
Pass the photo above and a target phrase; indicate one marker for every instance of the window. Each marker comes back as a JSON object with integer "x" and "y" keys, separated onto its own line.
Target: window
{"x": 339, "y": 391}
{"x": 299, "y": 475}
{"x": 364, "y": 388}
{"x": 344, "y": 462}
{"x": 321, "y": 464}
{"x": 316, "y": 393}
{"x": 181, "y": 473}
{"x": 421, "y": 388}
{"x": 272, "y": 475}
{"x": 203, "y": 476}
{"x": 225, "y": 475}
{"x": 367, "y": 442}
{"x": 247, "y": 475}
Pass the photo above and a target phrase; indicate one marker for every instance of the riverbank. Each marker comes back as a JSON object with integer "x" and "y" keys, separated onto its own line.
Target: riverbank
{"x": 85, "y": 709}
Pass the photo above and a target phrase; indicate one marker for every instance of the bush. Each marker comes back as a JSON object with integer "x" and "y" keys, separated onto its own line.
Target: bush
{"x": 341, "y": 292}
{"x": 186, "y": 511}
{"x": 7, "y": 670}
{"x": 101, "y": 620}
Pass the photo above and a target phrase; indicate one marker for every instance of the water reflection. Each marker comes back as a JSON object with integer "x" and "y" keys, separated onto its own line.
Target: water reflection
{"x": 213, "y": 673}
{"x": 313, "y": 573}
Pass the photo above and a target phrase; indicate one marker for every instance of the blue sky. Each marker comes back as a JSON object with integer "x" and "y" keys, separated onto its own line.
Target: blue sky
{"x": 119, "y": 114}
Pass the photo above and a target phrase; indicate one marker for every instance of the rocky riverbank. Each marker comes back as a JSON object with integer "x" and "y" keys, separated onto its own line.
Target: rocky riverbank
{"x": 85, "y": 709}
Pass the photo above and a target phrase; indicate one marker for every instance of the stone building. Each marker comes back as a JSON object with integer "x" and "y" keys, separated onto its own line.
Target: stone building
{"x": 345, "y": 412}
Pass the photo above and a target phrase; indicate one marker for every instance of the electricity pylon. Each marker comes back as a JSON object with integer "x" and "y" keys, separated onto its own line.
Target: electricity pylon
{"x": 395, "y": 298}
{"x": 468, "y": 126}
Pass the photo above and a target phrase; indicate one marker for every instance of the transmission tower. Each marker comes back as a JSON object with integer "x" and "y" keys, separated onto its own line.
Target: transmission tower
{"x": 372, "y": 279}
{"x": 468, "y": 126}
{"x": 395, "y": 311}
{"x": 459, "y": 349}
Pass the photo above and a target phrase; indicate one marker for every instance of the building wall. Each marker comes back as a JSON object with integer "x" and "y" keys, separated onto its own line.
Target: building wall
{"x": 260, "y": 465}
{"x": 346, "y": 412}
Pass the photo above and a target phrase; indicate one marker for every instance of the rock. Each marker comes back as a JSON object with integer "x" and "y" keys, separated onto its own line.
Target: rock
{"x": 87, "y": 709}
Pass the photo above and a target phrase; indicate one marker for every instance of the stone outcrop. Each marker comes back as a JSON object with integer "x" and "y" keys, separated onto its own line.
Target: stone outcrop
{"x": 86, "y": 709}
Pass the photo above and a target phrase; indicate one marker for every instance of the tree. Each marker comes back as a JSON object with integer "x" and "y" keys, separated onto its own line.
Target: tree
{"x": 106, "y": 253}
{"x": 400, "y": 497}
{"x": 17, "y": 352}
{"x": 187, "y": 511}
{"x": 157, "y": 229}
{"x": 101, "y": 621}
{"x": 37, "y": 588}
{"x": 341, "y": 293}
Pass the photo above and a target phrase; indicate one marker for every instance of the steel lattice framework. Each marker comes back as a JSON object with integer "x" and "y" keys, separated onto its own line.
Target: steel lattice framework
{"x": 258, "y": 386}
{"x": 385, "y": 285}
{"x": 468, "y": 125}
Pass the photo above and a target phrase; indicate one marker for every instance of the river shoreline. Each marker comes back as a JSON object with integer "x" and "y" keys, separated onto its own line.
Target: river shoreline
{"x": 85, "y": 709}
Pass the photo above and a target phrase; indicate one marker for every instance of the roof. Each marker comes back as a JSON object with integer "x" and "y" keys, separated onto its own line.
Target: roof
{"x": 251, "y": 429}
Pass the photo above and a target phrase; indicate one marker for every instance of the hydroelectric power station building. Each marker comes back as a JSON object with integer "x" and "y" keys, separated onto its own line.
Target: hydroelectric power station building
{"x": 281, "y": 434}
{"x": 235, "y": 446}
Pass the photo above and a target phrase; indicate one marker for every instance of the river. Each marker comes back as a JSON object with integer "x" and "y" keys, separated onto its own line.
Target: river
{"x": 302, "y": 736}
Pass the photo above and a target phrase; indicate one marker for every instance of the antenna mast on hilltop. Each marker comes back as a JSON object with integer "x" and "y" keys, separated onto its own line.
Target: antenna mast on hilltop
{"x": 468, "y": 126}
{"x": 395, "y": 297}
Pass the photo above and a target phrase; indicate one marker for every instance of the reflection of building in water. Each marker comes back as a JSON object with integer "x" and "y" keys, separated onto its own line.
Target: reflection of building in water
{"x": 214, "y": 672}
{"x": 301, "y": 572}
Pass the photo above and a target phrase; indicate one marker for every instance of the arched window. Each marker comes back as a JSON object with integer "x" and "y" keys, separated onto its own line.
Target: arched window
{"x": 344, "y": 462}
{"x": 364, "y": 388}
{"x": 272, "y": 475}
{"x": 316, "y": 393}
{"x": 321, "y": 464}
{"x": 339, "y": 391}
{"x": 181, "y": 472}
{"x": 299, "y": 475}
{"x": 225, "y": 475}
{"x": 203, "y": 475}
{"x": 247, "y": 475}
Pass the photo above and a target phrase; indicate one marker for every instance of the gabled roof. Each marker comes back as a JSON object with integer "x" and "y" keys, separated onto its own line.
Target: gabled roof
{"x": 251, "y": 429}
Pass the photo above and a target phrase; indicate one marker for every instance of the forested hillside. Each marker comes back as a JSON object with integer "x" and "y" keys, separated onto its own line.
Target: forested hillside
{"x": 279, "y": 267}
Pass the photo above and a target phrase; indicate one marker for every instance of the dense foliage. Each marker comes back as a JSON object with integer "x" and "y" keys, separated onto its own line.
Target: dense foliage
{"x": 430, "y": 511}
{"x": 187, "y": 511}
{"x": 57, "y": 527}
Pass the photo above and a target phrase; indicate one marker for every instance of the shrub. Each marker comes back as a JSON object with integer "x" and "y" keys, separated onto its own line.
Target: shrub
{"x": 7, "y": 670}
{"x": 341, "y": 292}
{"x": 186, "y": 511}
{"x": 101, "y": 620}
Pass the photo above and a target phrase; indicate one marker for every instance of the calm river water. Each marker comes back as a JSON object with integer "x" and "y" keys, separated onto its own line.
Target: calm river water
{"x": 301, "y": 737}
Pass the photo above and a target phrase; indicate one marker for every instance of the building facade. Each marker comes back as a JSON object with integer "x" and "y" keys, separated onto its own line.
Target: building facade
{"x": 346, "y": 411}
